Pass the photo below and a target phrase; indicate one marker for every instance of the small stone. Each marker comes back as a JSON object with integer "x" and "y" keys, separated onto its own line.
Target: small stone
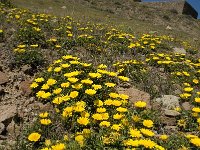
{"x": 169, "y": 121}
{"x": 25, "y": 87}
{"x": 171, "y": 113}
{"x": 13, "y": 129}
{"x": 168, "y": 101}
{"x": 186, "y": 106}
{"x": 135, "y": 95}
{"x": 179, "y": 50}
{"x": 2, "y": 127}
{"x": 170, "y": 129}
{"x": 3, "y": 78}
{"x": 7, "y": 112}
{"x": 169, "y": 28}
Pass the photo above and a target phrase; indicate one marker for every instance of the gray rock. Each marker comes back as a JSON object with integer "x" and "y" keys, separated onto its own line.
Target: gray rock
{"x": 179, "y": 50}
{"x": 171, "y": 113}
{"x": 168, "y": 101}
{"x": 3, "y": 78}
{"x": 186, "y": 106}
{"x": 7, "y": 112}
{"x": 2, "y": 127}
{"x": 135, "y": 95}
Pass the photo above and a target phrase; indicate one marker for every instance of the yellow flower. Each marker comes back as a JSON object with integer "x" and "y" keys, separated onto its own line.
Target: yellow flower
{"x": 101, "y": 110}
{"x": 185, "y": 95}
{"x": 163, "y": 137}
{"x": 196, "y": 109}
{"x": 195, "y": 141}
{"x": 117, "y": 116}
{"x": 87, "y": 81}
{"x": 196, "y": 81}
{"x": 65, "y": 84}
{"x": 72, "y": 80}
{"x": 148, "y": 123}
{"x": 80, "y": 139}
{"x": 147, "y": 132}
{"x": 45, "y": 121}
{"x": 121, "y": 109}
{"x": 95, "y": 75}
{"x": 96, "y": 87}
{"x": 108, "y": 102}
{"x": 110, "y": 84}
{"x": 57, "y": 69}
{"x": 65, "y": 65}
{"x": 72, "y": 74}
{"x": 98, "y": 103}
{"x": 44, "y": 115}
{"x": 140, "y": 104}
{"x": 123, "y": 78}
{"x": 188, "y": 89}
{"x": 51, "y": 82}
{"x": 57, "y": 91}
{"x": 116, "y": 103}
{"x": 77, "y": 86}
{"x": 59, "y": 146}
{"x": 34, "y": 137}
{"x": 135, "y": 133}
{"x": 45, "y": 87}
{"x": 34, "y": 85}
{"x": 97, "y": 116}
{"x": 90, "y": 92}
{"x": 73, "y": 94}
{"x": 57, "y": 100}
{"x": 39, "y": 80}
{"x": 197, "y": 99}
{"x": 114, "y": 95}
{"x": 104, "y": 123}
{"x": 116, "y": 127}
{"x": 136, "y": 118}
{"x": 83, "y": 121}
{"x": 102, "y": 66}
{"x": 47, "y": 142}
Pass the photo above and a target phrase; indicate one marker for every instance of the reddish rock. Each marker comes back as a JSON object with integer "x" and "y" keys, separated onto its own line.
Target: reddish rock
{"x": 25, "y": 87}
{"x": 135, "y": 95}
{"x": 3, "y": 78}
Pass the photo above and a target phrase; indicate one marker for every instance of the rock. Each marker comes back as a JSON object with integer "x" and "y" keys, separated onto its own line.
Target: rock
{"x": 3, "y": 78}
{"x": 135, "y": 95}
{"x": 40, "y": 106}
{"x": 13, "y": 129}
{"x": 171, "y": 129}
{"x": 168, "y": 101}
{"x": 26, "y": 68}
{"x": 179, "y": 50}
{"x": 171, "y": 113}
{"x": 186, "y": 106}
{"x": 169, "y": 121}
{"x": 25, "y": 87}
{"x": 2, "y": 127}
{"x": 7, "y": 112}
{"x": 168, "y": 28}
{"x": 63, "y": 7}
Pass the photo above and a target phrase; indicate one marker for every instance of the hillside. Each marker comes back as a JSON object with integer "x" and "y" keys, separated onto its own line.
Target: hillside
{"x": 99, "y": 74}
